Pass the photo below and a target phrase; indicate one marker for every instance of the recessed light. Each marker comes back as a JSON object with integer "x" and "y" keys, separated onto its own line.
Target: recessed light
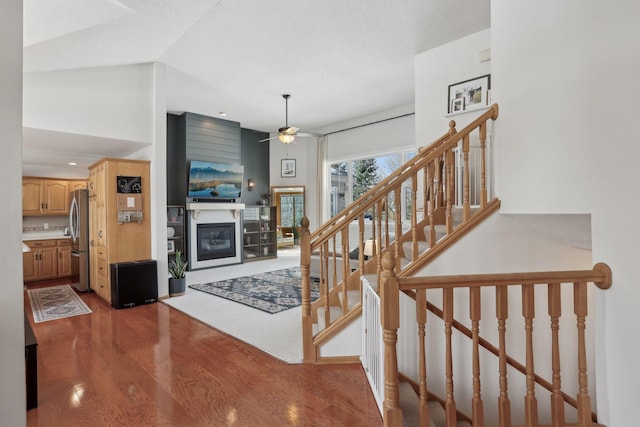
{"x": 222, "y": 113}
{"x": 72, "y": 164}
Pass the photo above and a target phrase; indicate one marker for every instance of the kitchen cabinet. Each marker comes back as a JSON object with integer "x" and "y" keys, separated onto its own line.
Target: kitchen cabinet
{"x": 77, "y": 184}
{"x": 119, "y": 223}
{"x": 259, "y": 233}
{"x": 64, "y": 258}
{"x": 42, "y": 262}
{"x": 42, "y": 196}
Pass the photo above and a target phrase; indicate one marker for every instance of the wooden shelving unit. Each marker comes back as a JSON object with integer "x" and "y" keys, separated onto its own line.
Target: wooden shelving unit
{"x": 175, "y": 241}
{"x": 259, "y": 238}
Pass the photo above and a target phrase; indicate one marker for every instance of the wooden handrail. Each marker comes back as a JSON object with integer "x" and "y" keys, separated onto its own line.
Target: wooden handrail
{"x": 600, "y": 275}
{"x": 337, "y": 277}
{"x": 368, "y": 199}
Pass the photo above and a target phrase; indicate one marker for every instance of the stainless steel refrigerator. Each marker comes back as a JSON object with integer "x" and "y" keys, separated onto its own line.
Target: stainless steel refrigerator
{"x": 79, "y": 225}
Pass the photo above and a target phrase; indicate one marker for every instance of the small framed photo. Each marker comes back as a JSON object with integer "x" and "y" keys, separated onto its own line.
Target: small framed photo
{"x": 457, "y": 105}
{"x": 171, "y": 246}
{"x": 288, "y": 168}
{"x": 474, "y": 94}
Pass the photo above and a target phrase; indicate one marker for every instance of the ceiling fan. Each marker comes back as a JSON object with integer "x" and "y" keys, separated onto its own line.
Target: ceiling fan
{"x": 287, "y": 134}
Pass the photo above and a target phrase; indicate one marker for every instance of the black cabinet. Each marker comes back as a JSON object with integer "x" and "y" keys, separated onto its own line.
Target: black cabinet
{"x": 259, "y": 238}
{"x": 134, "y": 283}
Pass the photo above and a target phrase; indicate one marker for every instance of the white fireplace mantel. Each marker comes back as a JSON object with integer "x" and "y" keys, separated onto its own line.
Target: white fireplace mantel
{"x": 195, "y": 208}
{"x": 204, "y": 214}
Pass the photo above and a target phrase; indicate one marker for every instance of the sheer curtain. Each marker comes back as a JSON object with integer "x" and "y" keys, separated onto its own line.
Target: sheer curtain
{"x": 322, "y": 206}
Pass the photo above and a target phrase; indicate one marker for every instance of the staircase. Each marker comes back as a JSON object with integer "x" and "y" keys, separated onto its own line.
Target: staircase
{"x": 414, "y": 217}
{"x": 544, "y": 403}
{"x": 419, "y": 212}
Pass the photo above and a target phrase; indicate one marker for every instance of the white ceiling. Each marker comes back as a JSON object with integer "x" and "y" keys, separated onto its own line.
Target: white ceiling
{"x": 339, "y": 59}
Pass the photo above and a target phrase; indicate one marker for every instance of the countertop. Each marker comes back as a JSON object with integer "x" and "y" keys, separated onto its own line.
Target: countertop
{"x": 44, "y": 235}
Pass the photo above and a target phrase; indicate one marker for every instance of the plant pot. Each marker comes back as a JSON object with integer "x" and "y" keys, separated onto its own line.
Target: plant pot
{"x": 177, "y": 286}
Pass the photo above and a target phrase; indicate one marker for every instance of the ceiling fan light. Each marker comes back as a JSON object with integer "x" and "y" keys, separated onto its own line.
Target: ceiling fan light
{"x": 285, "y": 138}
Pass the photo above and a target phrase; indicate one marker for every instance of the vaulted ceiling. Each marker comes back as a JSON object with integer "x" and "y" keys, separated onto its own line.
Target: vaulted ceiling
{"x": 339, "y": 59}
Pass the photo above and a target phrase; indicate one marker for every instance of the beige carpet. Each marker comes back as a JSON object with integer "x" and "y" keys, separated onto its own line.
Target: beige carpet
{"x": 278, "y": 334}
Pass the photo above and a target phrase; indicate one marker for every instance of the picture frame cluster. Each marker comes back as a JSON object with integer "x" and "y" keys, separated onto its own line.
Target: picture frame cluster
{"x": 469, "y": 95}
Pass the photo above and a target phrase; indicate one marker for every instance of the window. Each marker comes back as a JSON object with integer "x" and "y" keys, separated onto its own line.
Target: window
{"x": 291, "y": 210}
{"x": 350, "y": 179}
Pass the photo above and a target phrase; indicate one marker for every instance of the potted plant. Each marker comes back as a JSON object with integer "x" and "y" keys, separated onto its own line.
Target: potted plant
{"x": 177, "y": 281}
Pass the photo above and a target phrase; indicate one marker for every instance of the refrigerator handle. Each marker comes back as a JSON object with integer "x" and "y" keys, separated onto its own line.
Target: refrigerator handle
{"x": 73, "y": 218}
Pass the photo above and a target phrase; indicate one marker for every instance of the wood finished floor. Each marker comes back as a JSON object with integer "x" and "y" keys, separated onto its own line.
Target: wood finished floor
{"x": 155, "y": 366}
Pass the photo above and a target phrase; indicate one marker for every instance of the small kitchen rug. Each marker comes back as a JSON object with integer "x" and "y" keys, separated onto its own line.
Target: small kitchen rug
{"x": 272, "y": 292}
{"x": 56, "y": 302}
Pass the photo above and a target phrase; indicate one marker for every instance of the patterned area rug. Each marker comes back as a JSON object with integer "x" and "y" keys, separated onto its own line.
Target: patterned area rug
{"x": 273, "y": 292}
{"x": 56, "y": 302}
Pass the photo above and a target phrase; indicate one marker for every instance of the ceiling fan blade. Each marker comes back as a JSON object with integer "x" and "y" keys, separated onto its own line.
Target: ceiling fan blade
{"x": 309, "y": 134}
{"x": 289, "y": 131}
{"x": 268, "y": 139}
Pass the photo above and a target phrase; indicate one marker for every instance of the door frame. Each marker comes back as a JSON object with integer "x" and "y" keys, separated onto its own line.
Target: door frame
{"x": 288, "y": 190}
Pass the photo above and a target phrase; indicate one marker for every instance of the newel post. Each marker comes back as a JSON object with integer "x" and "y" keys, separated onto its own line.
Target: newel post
{"x": 305, "y": 262}
{"x": 390, "y": 321}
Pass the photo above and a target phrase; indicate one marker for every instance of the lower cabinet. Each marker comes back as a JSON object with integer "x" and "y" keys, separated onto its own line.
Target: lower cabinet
{"x": 102, "y": 283}
{"x": 48, "y": 259}
{"x": 64, "y": 258}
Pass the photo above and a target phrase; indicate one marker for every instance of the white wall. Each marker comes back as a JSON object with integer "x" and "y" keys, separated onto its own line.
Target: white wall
{"x": 565, "y": 76}
{"x": 514, "y": 247}
{"x": 438, "y": 68}
{"x": 12, "y": 387}
{"x": 384, "y": 137}
{"x": 377, "y": 138}
{"x": 113, "y": 102}
{"x": 157, "y": 154}
{"x": 563, "y": 144}
{"x": 304, "y": 153}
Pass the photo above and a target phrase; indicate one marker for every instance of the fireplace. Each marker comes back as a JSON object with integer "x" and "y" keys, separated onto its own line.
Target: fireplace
{"x": 214, "y": 234}
{"x": 216, "y": 240}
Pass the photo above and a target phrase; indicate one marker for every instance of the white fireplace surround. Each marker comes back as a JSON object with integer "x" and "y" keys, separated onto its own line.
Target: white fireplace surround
{"x": 213, "y": 213}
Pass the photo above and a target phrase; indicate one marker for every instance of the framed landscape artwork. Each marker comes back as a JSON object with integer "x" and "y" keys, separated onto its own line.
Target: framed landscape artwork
{"x": 288, "y": 168}
{"x": 469, "y": 94}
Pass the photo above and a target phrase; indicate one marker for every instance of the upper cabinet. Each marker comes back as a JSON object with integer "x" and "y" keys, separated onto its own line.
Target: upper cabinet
{"x": 42, "y": 196}
{"x": 77, "y": 184}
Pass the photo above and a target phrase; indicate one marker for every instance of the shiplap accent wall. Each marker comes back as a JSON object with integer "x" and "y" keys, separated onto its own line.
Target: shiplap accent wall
{"x": 193, "y": 136}
{"x": 211, "y": 139}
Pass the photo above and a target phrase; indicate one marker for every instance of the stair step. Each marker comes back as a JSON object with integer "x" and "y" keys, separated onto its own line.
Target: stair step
{"x": 372, "y": 279}
{"x": 441, "y": 231}
{"x": 407, "y": 247}
{"x": 437, "y": 414}
{"x": 335, "y": 312}
{"x": 457, "y": 213}
{"x": 353, "y": 297}
{"x": 409, "y": 403}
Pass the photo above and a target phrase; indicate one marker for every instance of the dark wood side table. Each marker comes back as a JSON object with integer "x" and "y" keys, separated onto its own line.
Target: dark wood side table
{"x": 31, "y": 364}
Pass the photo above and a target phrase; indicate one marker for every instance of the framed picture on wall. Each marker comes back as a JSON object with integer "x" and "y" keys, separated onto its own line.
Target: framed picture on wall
{"x": 469, "y": 94}
{"x": 288, "y": 168}
{"x": 457, "y": 105}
